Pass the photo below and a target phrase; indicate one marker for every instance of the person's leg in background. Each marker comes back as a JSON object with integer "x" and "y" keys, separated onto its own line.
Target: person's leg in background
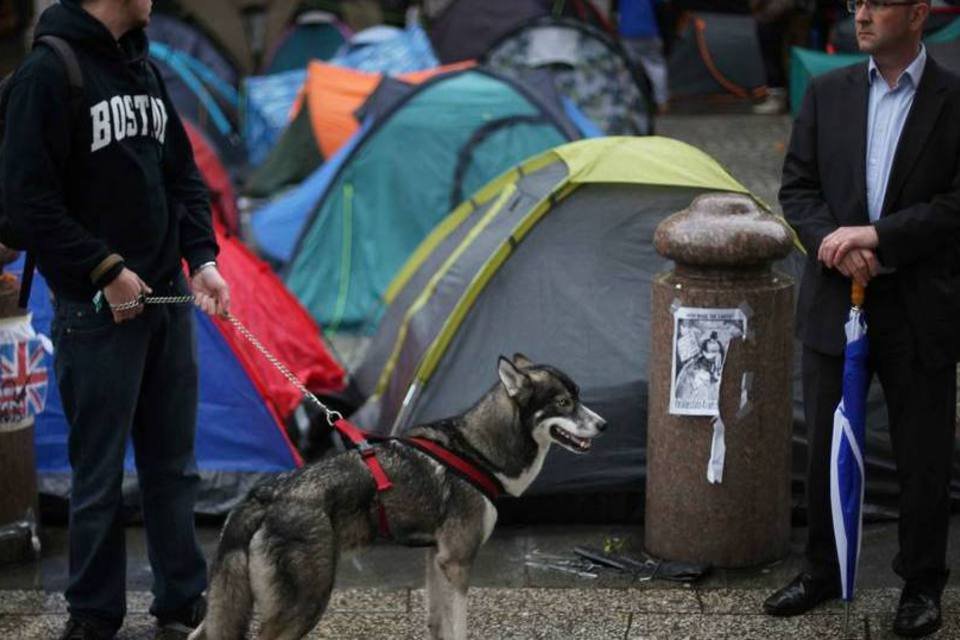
{"x": 640, "y": 34}
{"x": 771, "y": 36}
{"x": 648, "y": 54}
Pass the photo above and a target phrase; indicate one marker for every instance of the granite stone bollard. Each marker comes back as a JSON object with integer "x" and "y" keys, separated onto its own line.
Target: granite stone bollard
{"x": 720, "y": 405}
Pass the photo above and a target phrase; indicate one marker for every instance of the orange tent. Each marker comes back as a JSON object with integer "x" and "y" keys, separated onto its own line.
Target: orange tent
{"x": 322, "y": 120}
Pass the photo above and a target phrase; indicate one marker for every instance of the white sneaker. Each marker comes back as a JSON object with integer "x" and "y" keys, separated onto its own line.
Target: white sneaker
{"x": 774, "y": 104}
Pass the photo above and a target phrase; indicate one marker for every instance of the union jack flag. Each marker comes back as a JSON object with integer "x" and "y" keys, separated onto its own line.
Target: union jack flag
{"x": 24, "y": 378}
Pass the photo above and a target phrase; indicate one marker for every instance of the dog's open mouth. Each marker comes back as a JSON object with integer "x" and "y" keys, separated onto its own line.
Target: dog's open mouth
{"x": 567, "y": 439}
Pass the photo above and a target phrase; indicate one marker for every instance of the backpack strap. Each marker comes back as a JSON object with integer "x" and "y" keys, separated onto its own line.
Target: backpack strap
{"x": 69, "y": 59}
{"x": 75, "y": 80}
{"x": 26, "y": 279}
{"x": 157, "y": 74}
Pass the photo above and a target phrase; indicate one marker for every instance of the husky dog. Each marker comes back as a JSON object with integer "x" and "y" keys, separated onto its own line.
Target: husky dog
{"x": 279, "y": 547}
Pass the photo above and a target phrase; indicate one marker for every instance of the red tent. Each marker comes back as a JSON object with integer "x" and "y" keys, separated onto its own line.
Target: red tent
{"x": 264, "y": 305}
{"x": 222, "y": 197}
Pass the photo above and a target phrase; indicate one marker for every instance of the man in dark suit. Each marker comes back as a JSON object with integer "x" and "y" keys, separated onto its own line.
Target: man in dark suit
{"x": 871, "y": 184}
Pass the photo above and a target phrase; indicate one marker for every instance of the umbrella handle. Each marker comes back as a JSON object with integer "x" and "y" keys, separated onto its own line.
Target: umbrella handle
{"x": 858, "y": 294}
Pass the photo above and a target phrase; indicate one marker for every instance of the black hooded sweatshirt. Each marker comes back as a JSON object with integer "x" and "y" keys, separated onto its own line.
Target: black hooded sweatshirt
{"x": 118, "y": 179}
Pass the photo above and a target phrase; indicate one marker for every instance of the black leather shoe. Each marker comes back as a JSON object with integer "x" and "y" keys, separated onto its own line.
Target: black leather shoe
{"x": 180, "y": 624}
{"x": 83, "y": 630}
{"x": 918, "y": 614}
{"x": 803, "y": 593}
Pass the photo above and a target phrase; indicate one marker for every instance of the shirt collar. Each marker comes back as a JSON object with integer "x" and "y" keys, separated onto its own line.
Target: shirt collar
{"x": 914, "y": 71}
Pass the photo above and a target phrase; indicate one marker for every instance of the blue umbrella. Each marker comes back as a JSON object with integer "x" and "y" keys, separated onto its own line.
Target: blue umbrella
{"x": 846, "y": 453}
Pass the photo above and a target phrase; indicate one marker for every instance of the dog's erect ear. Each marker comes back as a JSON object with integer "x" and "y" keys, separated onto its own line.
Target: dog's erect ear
{"x": 522, "y": 361}
{"x": 513, "y": 380}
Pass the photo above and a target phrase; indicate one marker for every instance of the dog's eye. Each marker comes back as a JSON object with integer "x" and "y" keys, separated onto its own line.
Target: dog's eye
{"x": 563, "y": 403}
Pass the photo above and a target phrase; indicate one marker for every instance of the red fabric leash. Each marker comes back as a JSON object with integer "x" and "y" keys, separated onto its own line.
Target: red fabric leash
{"x": 489, "y": 485}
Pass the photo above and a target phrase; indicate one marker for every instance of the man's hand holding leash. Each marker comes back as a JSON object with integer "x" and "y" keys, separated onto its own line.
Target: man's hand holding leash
{"x": 211, "y": 290}
{"x": 124, "y": 290}
{"x": 127, "y": 293}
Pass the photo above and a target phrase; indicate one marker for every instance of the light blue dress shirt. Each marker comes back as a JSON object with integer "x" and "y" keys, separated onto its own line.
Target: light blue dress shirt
{"x": 887, "y": 113}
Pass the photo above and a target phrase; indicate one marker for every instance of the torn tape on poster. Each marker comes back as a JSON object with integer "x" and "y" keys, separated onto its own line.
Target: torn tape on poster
{"x": 718, "y": 451}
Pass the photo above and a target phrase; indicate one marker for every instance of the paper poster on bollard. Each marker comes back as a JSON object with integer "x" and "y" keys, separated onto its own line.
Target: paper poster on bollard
{"x": 700, "y": 341}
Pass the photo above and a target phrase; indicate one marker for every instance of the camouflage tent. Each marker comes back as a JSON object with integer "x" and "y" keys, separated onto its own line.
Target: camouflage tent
{"x": 587, "y": 66}
{"x": 465, "y": 29}
{"x": 716, "y": 55}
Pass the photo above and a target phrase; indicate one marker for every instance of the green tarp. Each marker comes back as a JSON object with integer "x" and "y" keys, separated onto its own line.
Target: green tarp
{"x": 806, "y": 64}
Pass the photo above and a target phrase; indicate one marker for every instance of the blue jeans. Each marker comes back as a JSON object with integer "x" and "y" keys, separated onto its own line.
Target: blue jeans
{"x": 136, "y": 379}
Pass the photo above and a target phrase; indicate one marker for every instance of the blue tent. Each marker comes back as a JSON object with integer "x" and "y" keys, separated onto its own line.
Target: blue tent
{"x": 202, "y": 83}
{"x": 388, "y": 50}
{"x": 189, "y": 39}
{"x": 267, "y": 104}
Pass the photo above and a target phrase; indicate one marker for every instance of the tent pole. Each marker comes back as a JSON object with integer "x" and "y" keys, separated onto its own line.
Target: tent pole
{"x": 409, "y": 401}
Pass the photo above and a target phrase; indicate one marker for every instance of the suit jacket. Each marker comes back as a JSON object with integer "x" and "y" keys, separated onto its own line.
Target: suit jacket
{"x": 824, "y": 187}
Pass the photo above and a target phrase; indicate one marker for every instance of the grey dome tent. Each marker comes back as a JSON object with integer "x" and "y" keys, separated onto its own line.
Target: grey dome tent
{"x": 555, "y": 259}
{"x": 465, "y": 29}
{"x": 587, "y": 66}
{"x": 716, "y": 55}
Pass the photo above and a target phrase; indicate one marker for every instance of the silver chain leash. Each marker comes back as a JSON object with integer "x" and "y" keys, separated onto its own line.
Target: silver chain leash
{"x": 331, "y": 415}
{"x": 136, "y": 302}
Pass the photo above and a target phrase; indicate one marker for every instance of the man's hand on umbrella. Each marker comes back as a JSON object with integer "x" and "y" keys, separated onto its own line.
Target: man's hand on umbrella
{"x": 838, "y": 244}
{"x": 860, "y": 265}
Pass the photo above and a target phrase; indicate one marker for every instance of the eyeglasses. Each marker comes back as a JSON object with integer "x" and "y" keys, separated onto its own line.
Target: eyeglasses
{"x": 855, "y": 5}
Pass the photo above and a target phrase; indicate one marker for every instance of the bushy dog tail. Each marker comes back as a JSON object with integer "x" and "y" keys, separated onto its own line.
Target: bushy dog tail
{"x": 229, "y": 596}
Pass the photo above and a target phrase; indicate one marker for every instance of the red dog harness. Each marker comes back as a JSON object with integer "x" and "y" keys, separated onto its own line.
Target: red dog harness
{"x": 484, "y": 481}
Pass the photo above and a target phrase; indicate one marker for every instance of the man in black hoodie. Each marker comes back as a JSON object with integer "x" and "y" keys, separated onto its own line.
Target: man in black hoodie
{"x": 110, "y": 201}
